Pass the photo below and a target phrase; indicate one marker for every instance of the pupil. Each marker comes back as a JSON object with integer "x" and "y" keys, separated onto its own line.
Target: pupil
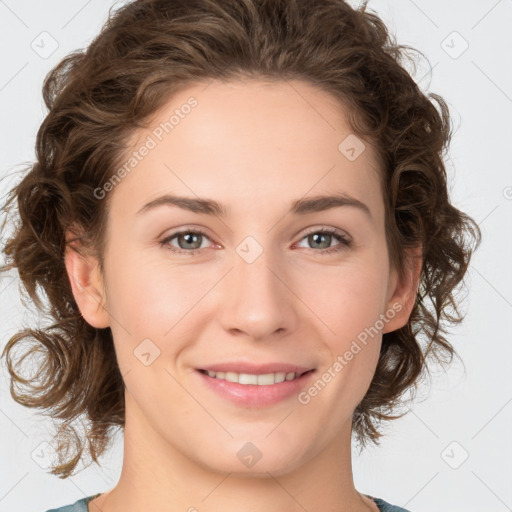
{"x": 191, "y": 235}
{"x": 316, "y": 236}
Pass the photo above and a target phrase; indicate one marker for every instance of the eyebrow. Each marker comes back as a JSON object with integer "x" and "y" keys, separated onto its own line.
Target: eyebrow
{"x": 299, "y": 207}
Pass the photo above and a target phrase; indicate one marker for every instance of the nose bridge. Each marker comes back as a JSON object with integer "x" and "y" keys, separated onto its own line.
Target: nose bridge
{"x": 257, "y": 301}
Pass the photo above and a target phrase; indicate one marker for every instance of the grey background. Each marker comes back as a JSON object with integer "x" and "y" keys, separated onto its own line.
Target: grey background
{"x": 420, "y": 463}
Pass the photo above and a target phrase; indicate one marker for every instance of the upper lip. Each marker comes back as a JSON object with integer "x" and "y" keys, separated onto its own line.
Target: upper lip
{"x": 256, "y": 369}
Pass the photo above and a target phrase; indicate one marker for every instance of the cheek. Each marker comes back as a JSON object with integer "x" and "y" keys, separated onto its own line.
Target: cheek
{"x": 351, "y": 308}
{"x": 349, "y": 299}
{"x": 148, "y": 293}
{"x": 156, "y": 300}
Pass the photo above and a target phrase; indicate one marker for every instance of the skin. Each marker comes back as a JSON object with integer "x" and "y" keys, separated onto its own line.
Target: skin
{"x": 254, "y": 146}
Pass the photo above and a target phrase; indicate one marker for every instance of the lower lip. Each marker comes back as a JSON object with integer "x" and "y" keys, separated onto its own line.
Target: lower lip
{"x": 256, "y": 396}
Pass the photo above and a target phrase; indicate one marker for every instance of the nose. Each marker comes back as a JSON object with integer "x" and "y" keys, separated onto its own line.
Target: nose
{"x": 258, "y": 300}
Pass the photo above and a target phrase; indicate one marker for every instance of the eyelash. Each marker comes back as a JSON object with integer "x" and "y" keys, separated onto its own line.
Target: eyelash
{"x": 344, "y": 244}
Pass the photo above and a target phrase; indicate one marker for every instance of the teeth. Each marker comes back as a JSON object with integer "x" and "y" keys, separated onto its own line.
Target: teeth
{"x": 231, "y": 377}
{"x": 246, "y": 378}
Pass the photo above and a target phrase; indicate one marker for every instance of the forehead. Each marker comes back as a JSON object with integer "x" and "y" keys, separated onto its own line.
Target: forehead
{"x": 250, "y": 143}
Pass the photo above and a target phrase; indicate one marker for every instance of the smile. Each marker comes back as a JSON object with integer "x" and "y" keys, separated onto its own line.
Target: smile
{"x": 266, "y": 379}
{"x": 254, "y": 390}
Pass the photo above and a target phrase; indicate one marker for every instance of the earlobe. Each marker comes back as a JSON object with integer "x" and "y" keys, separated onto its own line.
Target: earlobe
{"x": 87, "y": 287}
{"x": 404, "y": 293}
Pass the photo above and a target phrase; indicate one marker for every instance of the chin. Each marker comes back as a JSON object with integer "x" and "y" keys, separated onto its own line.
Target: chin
{"x": 252, "y": 459}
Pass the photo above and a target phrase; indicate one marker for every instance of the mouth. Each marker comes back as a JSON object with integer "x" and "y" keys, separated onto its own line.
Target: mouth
{"x": 255, "y": 390}
{"x": 251, "y": 379}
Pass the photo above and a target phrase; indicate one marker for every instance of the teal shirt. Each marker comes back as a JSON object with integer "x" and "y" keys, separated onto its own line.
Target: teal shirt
{"x": 81, "y": 505}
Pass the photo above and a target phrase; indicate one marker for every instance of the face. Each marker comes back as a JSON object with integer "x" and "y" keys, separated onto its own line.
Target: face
{"x": 256, "y": 283}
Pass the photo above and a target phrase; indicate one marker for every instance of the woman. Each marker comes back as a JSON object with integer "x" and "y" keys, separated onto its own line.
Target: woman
{"x": 192, "y": 159}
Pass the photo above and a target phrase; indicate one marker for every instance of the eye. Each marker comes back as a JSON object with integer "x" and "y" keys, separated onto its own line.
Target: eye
{"x": 323, "y": 238}
{"x": 191, "y": 240}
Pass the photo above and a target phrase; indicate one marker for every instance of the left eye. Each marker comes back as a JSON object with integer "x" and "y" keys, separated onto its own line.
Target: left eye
{"x": 189, "y": 241}
{"x": 315, "y": 237}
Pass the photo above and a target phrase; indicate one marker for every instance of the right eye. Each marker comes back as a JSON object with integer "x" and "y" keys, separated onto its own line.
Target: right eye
{"x": 187, "y": 239}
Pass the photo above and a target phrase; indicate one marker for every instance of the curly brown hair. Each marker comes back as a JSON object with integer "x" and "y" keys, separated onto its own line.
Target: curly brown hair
{"x": 97, "y": 98}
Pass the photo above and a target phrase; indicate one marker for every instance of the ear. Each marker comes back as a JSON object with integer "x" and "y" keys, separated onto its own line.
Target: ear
{"x": 402, "y": 293}
{"x": 87, "y": 285}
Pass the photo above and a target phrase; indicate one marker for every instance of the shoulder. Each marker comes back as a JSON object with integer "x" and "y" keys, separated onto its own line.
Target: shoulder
{"x": 384, "y": 506}
{"x": 78, "y": 506}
